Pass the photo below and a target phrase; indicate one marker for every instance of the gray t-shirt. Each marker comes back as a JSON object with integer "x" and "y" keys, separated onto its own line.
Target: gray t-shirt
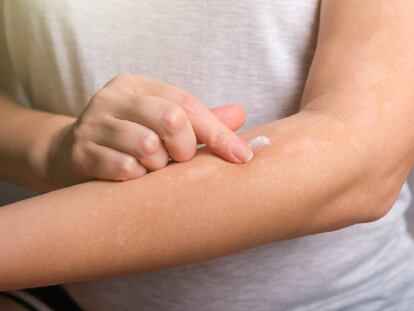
{"x": 55, "y": 54}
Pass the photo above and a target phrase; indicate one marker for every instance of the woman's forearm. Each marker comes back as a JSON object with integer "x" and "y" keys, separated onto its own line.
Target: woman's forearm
{"x": 322, "y": 171}
{"x": 310, "y": 178}
{"x": 24, "y": 134}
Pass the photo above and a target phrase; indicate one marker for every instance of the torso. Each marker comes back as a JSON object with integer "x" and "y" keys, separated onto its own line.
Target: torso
{"x": 256, "y": 53}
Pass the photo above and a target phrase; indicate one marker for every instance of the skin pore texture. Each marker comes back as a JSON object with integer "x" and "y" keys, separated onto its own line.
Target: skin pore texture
{"x": 201, "y": 171}
{"x": 146, "y": 223}
{"x": 205, "y": 169}
{"x": 340, "y": 161}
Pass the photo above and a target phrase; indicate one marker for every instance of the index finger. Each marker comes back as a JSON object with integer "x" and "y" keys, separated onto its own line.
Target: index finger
{"x": 207, "y": 127}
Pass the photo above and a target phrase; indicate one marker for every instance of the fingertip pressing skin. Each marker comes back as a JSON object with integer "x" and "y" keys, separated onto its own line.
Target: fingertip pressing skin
{"x": 241, "y": 152}
{"x": 256, "y": 144}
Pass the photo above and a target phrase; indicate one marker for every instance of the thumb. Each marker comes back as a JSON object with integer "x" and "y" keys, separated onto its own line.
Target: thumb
{"x": 231, "y": 115}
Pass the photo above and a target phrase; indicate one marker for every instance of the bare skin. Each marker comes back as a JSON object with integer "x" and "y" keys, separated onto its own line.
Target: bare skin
{"x": 133, "y": 125}
{"x": 340, "y": 161}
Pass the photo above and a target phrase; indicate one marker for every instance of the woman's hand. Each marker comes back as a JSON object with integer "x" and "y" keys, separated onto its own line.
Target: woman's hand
{"x": 135, "y": 124}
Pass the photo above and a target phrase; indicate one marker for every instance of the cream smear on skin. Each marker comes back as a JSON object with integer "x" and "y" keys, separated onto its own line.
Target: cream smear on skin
{"x": 258, "y": 142}
{"x": 255, "y": 143}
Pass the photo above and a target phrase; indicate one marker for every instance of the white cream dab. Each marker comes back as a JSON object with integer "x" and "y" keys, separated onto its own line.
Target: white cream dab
{"x": 259, "y": 142}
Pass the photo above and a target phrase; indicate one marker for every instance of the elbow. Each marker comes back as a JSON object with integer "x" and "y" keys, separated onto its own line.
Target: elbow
{"x": 363, "y": 202}
{"x": 375, "y": 212}
{"x": 381, "y": 199}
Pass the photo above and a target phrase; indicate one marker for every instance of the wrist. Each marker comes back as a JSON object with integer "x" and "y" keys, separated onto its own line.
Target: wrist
{"x": 40, "y": 151}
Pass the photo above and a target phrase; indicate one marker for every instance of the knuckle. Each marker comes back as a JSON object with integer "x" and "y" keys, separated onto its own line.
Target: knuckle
{"x": 150, "y": 143}
{"x": 190, "y": 104}
{"x": 174, "y": 118}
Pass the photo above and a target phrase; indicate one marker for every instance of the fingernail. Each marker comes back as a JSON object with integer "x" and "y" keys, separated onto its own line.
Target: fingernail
{"x": 241, "y": 152}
